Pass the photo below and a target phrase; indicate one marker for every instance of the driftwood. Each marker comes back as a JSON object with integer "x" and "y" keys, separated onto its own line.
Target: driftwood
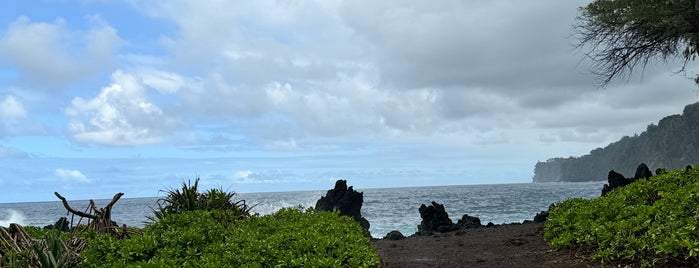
{"x": 13, "y": 239}
{"x": 100, "y": 219}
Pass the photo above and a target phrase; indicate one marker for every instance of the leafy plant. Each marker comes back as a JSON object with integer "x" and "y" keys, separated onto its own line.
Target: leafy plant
{"x": 219, "y": 238}
{"x": 188, "y": 198}
{"x": 651, "y": 221}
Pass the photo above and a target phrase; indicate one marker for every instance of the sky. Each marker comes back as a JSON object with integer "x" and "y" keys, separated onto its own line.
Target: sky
{"x": 106, "y": 96}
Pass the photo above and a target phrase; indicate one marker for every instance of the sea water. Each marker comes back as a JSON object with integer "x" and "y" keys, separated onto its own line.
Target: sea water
{"x": 386, "y": 209}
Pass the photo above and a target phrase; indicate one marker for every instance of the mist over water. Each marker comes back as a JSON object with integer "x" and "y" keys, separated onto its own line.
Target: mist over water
{"x": 386, "y": 209}
{"x": 11, "y": 216}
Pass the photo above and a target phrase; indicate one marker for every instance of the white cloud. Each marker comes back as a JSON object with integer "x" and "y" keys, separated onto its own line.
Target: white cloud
{"x": 71, "y": 175}
{"x": 242, "y": 174}
{"x": 11, "y": 108}
{"x": 53, "y": 55}
{"x": 462, "y": 72}
{"x": 120, "y": 115}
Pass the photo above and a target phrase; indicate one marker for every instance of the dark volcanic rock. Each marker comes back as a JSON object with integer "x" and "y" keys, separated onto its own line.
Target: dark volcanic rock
{"x": 347, "y": 201}
{"x": 61, "y": 224}
{"x": 434, "y": 219}
{"x": 394, "y": 235}
{"x": 642, "y": 172}
{"x": 616, "y": 180}
{"x": 468, "y": 222}
{"x": 541, "y": 216}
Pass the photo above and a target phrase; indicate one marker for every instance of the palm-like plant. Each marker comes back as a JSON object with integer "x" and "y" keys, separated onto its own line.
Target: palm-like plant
{"x": 188, "y": 198}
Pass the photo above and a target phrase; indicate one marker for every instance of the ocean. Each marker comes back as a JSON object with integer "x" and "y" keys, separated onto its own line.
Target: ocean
{"x": 386, "y": 209}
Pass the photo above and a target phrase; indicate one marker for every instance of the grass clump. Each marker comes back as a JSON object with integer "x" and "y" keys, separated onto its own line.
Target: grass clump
{"x": 652, "y": 222}
{"x": 218, "y": 238}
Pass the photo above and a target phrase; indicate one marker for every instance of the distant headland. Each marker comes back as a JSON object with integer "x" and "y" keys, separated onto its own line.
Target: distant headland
{"x": 672, "y": 143}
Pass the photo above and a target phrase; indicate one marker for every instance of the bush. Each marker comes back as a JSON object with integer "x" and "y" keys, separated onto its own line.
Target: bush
{"x": 218, "y": 238}
{"x": 651, "y": 221}
{"x": 188, "y": 198}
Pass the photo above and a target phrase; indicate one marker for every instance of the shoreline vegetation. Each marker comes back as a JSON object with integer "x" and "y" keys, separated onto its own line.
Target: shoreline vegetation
{"x": 647, "y": 221}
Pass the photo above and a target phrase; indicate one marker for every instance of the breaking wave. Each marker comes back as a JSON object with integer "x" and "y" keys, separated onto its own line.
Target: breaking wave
{"x": 12, "y": 216}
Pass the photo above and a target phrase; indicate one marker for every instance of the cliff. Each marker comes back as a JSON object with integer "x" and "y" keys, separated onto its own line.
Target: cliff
{"x": 673, "y": 144}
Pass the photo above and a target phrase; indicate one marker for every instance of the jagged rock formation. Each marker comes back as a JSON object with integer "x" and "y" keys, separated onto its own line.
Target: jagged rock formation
{"x": 616, "y": 180}
{"x": 347, "y": 201}
{"x": 436, "y": 220}
{"x": 673, "y": 143}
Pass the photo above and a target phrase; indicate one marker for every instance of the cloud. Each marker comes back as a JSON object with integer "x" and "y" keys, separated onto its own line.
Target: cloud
{"x": 120, "y": 115}
{"x": 53, "y": 55}
{"x": 242, "y": 174}
{"x": 499, "y": 44}
{"x": 459, "y": 72}
{"x": 71, "y": 175}
{"x": 11, "y": 108}
{"x": 15, "y": 119}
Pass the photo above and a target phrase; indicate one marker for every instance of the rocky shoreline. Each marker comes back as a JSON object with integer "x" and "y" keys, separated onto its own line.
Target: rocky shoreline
{"x": 439, "y": 242}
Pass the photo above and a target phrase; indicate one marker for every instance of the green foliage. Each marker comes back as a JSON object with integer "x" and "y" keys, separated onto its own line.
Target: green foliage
{"x": 53, "y": 252}
{"x": 188, "y": 198}
{"x": 624, "y": 33}
{"x": 651, "y": 221}
{"x": 48, "y": 249}
{"x": 219, "y": 238}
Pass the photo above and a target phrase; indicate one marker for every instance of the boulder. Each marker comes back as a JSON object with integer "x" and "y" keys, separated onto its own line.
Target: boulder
{"x": 434, "y": 219}
{"x": 642, "y": 172}
{"x": 61, "y": 225}
{"x": 541, "y": 216}
{"x": 468, "y": 222}
{"x": 614, "y": 180}
{"x": 394, "y": 235}
{"x": 345, "y": 200}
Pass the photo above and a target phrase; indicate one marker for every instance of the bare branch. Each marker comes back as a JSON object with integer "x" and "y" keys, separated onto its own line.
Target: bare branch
{"x": 71, "y": 210}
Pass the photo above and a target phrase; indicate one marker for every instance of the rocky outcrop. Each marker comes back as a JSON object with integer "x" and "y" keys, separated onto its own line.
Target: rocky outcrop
{"x": 642, "y": 172}
{"x": 468, "y": 222}
{"x": 345, "y": 200}
{"x": 541, "y": 216}
{"x": 61, "y": 224}
{"x": 616, "y": 180}
{"x": 436, "y": 220}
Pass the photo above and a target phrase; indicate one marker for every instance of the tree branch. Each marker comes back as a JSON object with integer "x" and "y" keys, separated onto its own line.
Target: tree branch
{"x": 71, "y": 210}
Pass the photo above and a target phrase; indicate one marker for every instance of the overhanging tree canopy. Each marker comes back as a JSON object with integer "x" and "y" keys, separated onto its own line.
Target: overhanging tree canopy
{"x": 621, "y": 34}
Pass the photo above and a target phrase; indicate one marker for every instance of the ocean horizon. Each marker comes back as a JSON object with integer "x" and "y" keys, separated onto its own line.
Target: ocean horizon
{"x": 386, "y": 209}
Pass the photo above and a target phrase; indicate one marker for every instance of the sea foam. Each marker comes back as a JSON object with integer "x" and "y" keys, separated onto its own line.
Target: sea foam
{"x": 12, "y": 216}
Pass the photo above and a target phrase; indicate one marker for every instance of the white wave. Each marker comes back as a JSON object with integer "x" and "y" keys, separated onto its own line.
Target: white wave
{"x": 13, "y": 216}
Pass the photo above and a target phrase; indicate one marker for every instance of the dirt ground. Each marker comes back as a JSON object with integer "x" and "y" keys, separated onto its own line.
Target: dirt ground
{"x": 511, "y": 245}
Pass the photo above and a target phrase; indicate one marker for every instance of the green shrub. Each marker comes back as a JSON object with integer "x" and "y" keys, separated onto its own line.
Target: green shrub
{"x": 651, "y": 221}
{"x": 188, "y": 198}
{"x": 219, "y": 238}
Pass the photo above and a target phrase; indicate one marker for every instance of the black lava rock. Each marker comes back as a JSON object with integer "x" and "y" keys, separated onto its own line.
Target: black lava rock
{"x": 347, "y": 201}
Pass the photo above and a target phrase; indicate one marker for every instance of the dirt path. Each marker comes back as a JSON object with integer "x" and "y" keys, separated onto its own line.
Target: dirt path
{"x": 512, "y": 245}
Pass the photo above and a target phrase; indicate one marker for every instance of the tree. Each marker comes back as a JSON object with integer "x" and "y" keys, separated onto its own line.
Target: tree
{"x": 620, "y": 35}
